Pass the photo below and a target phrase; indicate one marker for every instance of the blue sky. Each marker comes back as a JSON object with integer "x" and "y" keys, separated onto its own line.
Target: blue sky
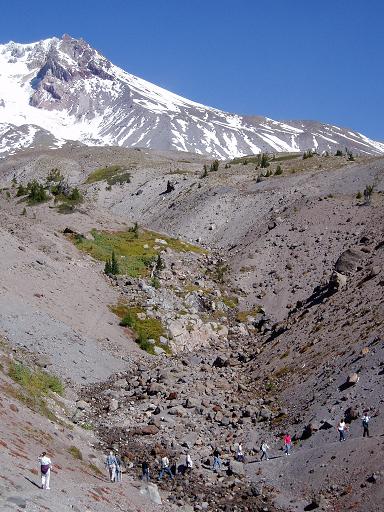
{"x": 285, "y": 59}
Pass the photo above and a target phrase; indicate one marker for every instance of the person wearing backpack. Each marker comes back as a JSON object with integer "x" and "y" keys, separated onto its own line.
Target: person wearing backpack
{"x": 365, "y": 420}
{"x": 165, "y": 468}
{"x": 45, "y": 470}
{"x": 264, "y": 447}
{"x": 111, "y": 464}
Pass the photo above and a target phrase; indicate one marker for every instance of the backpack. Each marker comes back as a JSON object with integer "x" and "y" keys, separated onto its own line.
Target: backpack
{"x": 111, "y": 459}
{"x": 44, "y": 468}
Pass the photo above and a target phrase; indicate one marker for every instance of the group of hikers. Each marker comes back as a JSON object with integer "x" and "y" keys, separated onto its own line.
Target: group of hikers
{"x": 114, "y": 464}
{"x": 342, "y": 426}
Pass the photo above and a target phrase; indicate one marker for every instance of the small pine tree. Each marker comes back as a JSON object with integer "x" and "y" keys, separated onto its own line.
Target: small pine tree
{"x": 308, "y": 154}
{"x": 107, "y": 268}
{"x": 351, "y": 158}
{"x": 21, "y": 191}
{"x": 205, "y": 172}
{"x": 159, "y": 264}
{"x": 75, "y": 195}
{"x": 37, "y": 192}
{"x": 264, "y": 162}
{"x": 339, "y": 153}
{"x": 24, "y": 212}
{"x": 368, "y": 191}
{"x": 359, "y": 195}
{"x": 114, "y": 265}
{"x": 214, "y": 166}
{"x": 135, "y": 230}
{"x": 279, "y": 170}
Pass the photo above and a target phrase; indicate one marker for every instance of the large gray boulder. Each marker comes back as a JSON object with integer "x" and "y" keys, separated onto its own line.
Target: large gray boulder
{"x": 237, "y": 468}
{"x": 151, "y": 492}
{"x": 349, "y": 260}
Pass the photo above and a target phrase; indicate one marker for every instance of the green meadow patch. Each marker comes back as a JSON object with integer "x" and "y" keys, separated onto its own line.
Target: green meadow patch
{"x": 135, "y": 251}
{"x": 113, "y": 174}
{"x": 144, "y": 328}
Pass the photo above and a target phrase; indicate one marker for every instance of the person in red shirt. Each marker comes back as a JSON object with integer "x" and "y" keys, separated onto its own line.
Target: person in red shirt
{"x": 287, "y": 444}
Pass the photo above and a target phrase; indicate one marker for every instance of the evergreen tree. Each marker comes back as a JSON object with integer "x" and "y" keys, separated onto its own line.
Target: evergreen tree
{"x": 107, "y": 268}
{"x": 214, "y": 166}
{"x": 159, "y": 264}
{"x": 21, "y": 191}
{"x": 264, "y": 161}
{"x": 37, "y": 192}
{"x": 114, "y": 265}
{"x": 136, "y": 230}
{"x": 279, "y": 170}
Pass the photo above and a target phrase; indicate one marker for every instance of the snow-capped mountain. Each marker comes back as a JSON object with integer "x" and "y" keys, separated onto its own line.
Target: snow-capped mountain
{"x": 57, "y": 90}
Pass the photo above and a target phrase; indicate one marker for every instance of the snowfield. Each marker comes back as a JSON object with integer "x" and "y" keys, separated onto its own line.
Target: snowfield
{"x": 66, "y": 90}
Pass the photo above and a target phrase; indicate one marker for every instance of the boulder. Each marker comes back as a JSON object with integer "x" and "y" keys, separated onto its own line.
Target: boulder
{"x": 265, "y": 414}
{"x": 121, "y": 383}
{"x": 113, "y": 405}
{"x": 374, "y": 271}
{"x": 351, "y": 414}
{"x": 353, "y": 378}
{"x": 82, "y": 405}
{"x": 190, "y": 403}
{"x": 151, "y": 492}
{"x": 349, "y": 260}
{"x": 256, "y": 489}
{"x": 220, "y": 362}
{"x": 237, "y": 468}
{"x": 148, "y": 430}
{"x": 189, "y": 440}
{"x": 154, "y": 388}
{"x": 186, "y": 508}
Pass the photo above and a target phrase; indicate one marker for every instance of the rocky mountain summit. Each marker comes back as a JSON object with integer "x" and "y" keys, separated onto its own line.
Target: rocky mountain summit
{"x": 63, "y": 89}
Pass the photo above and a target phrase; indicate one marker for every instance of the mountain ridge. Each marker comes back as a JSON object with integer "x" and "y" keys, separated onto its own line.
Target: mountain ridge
{"x": 69, "y": 89}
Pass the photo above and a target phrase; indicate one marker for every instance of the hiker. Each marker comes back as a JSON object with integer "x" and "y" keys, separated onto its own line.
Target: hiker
{"x": 188, "y": 462}
{"x": 216, "y": 460}
{"x": 111, "y": 465}
{"x": 145, "y": 471}
{"x": 342, "y": 427}
{"x": 365, "y": 419}
{"x": 264, "y": 447}
{"x": 240, "y": 453}
{"x": 119, "y": 469}
{"x": 45, "y": 470}
{"x": 287, "y": 444}
{"x": 165, "y": 468}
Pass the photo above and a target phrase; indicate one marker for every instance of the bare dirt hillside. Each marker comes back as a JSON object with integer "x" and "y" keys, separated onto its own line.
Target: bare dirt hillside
{"x": 250, "y": 304}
